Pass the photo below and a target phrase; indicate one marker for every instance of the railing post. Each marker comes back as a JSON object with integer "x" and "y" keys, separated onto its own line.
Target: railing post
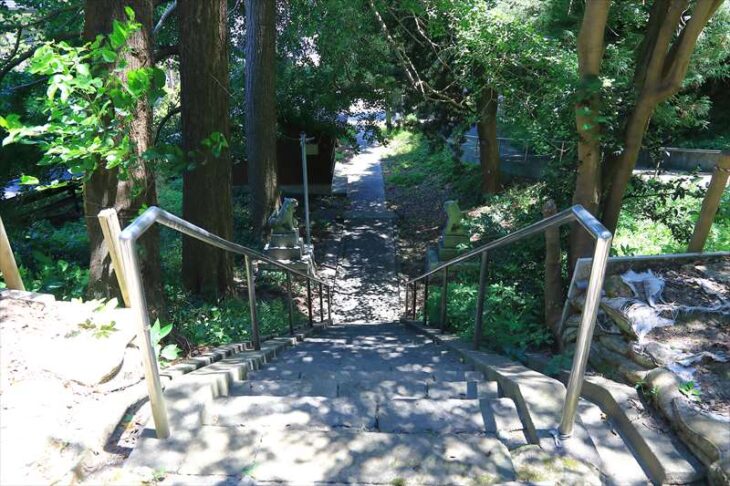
{"x": 413, "y": 297}
{"x": 8, "y": 266}
{"x": 110, "y": 228}
{"x": 329, "y": 304}
{"x": 291, "y": 303}
{"x": 252, "y": 304}
{"x": 444, "y": 291}
{"x": 309, "y": 302}
{"x": 321, "y": 304}
{"x": 149, "y": 358}
{"x": 480, "y": 300}
{"x": 405, "y": 315}
{"x": 425, "y": 302}
{"x": 585, "y": 335}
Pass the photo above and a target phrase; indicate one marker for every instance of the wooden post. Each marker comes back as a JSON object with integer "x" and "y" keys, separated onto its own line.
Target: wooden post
{"x": 109, "y": 222}
{"x": 711, "y": 203}
{"x": 553, "y": 277}
{"x": 8, "y": 267}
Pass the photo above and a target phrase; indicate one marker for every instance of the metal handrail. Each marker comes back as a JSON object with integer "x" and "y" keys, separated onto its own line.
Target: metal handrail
{"x": 603, "y": 237}
{"x": 133, "y": 276}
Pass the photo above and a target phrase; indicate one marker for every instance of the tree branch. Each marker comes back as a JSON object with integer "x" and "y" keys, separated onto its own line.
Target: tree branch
{"x": 166, "y": 51}
{"x": 164, "y": 121}
{"x": 168, "y": 11}
{"x": 14, "y": 62}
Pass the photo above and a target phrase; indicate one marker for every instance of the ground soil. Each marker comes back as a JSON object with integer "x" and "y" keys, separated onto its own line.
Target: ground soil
{"x": 700, "y": 285}
{"x": 421, "y": 216}
{"x": 50, "y": 424}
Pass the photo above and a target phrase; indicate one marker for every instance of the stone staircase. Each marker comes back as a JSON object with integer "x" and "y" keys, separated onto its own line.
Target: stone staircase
{"x": 375, "y": 404}
{"x": 393, "y": 404}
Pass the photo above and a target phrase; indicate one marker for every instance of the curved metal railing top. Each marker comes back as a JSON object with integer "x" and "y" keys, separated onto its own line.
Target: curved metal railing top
{"x": 603, "y": 239}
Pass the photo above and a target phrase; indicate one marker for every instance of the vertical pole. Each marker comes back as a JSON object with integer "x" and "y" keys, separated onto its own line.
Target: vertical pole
{"x": 585, "y": 335}
{"x": 252, "y": 304}
{"x": 480, "y": 300}
{"x": 321, "y": 304}
{"x": 110, "y": 228}
{"x": 329, "y": 305}
{"x": 305, "y": 180}
{"x": 291, "y": 303}
{"x": 413, "y": 301}
{"x": 425, "y": 302}
{"x": 405, "y": 316}
{"x": 444, "y": 291}
{"x": 527, "y": 148}
{"x": 309, "y": 302}
{"x": 149, "y": 358}
{"x": 711, "y": 203}
{"x": 8, "y": 266}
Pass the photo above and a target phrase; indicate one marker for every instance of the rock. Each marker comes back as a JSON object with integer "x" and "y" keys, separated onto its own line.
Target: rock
{"x": 617, "y": 364}
{"x": 666, "y": 385}
{"x": 641, "y": 359}
{"x": 707, "y": 436}
{"x": 614, "y": 286}
{"x": 617, "y": 344}
{"x": 614, "y": 308}
{"x": 660, "y": 353}
{"x": 719, "y": 473}
{"x": 578, "y": 301}
{"x": 92, "y": 353}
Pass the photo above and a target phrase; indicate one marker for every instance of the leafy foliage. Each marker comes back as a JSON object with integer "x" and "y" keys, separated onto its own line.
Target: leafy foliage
{"x": 89, "y": 104}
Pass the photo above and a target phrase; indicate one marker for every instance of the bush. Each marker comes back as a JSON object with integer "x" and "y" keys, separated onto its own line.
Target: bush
{"x": 511, "y": 322}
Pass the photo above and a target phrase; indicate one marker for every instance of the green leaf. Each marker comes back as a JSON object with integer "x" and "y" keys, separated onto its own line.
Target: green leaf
{"x": 130, "y": 13}
{"x": 108, "y": 55}
{"x": 170, "y": 352}
{"x": 118, "y": 36}
{"x": 27, "y": 180}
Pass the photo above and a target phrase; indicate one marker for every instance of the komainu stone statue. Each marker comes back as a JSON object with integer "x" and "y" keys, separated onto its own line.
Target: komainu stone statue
{"x": 453, "y": 219}
{"x": 454, "y": 237}
{"x": 283, "y": 220}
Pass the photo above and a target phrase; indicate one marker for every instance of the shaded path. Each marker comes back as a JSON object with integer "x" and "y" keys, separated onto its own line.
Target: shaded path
{"x": 366, "y": 283}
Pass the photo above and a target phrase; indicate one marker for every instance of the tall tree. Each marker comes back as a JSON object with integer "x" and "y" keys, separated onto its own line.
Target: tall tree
{"x": 261, "y": 108}
{"x": 104, "y": 188}
{"x": 664, "y": 56}
{"x": 488, "y": 143}
{"x": 206, "y": 128}
{"x": 587, "y": 110}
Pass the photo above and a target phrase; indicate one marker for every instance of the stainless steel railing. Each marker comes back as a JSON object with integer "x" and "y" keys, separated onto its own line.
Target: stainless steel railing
{"x": 133, "y": 275}
{"x": 603, "y": 238}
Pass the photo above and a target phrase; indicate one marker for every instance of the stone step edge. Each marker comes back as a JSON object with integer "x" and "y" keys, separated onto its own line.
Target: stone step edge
{"x": 528, "y": 389}
{"x": 196, "y": 382}
{"x": 655, "y": 451}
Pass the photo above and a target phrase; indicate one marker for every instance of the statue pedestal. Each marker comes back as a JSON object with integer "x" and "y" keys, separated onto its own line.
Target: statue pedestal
{"x": 433, "y": 260}
{"x": 289, "y": 248}
{"x": 448, "y": 246}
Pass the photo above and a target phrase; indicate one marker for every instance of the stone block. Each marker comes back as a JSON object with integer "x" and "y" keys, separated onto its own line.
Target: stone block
{"x": 286, "y": 240}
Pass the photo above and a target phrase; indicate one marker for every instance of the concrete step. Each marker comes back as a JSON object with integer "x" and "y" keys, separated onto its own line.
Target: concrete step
{"x": 274, "y": 371}
{"x": 284, "y": 388}
{"x": 611, "y": 447}
{"x": 314, "y": 413}
{"x": 491, "y": 415}
{"x": 292, "y": 456}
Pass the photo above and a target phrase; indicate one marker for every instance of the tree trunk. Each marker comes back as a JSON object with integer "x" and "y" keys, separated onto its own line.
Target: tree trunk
{"x": 104, "y": 189}
{"x": 488, "y": 144}
{"x": 261, "y": 108}
{"x": 553, "y": 276}
{"x": 587, "y": 108}
{"x": 711, "y": 203}
{"x": 205, "y": 101}
{"x": 659, "y": 73}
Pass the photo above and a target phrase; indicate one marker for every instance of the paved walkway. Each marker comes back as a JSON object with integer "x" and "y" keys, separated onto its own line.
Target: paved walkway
{"x": 366, "y": 283}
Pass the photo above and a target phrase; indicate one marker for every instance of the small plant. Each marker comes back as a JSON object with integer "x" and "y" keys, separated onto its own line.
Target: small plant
{"x": 690, "y": 390}
{"x": 157, "y": 334}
